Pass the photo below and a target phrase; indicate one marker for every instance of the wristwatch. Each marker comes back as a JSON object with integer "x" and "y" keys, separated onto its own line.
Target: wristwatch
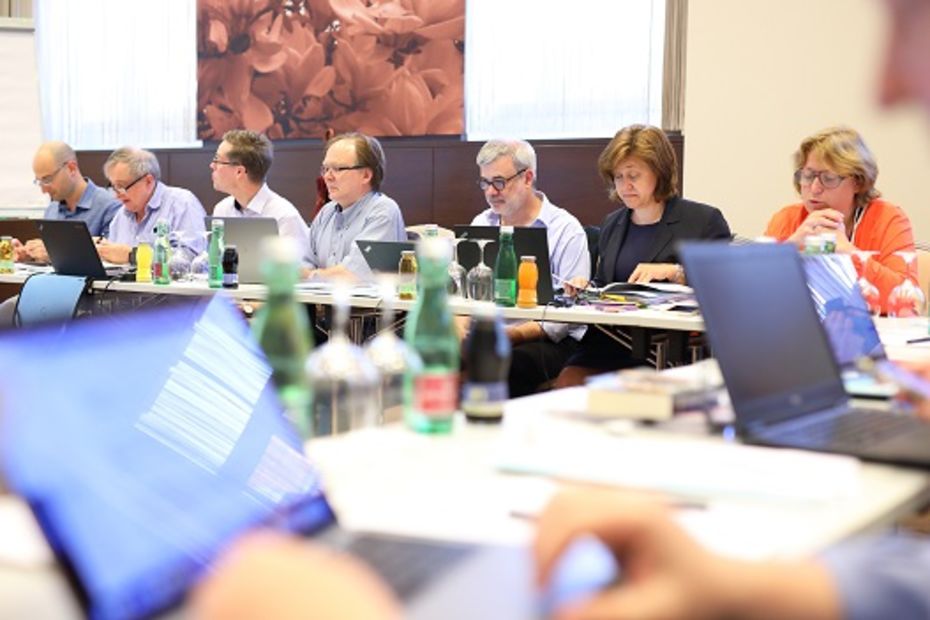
{"x": 132, "y": 256}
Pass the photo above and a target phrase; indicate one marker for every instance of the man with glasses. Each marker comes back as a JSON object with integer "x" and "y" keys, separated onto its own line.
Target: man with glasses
{"x": 73, "y": 197}
{"x": 239, "y": 168}
{"x": 134, "y": 175}
{"x": 353, "y": 169}
{"x": 508, "y": 179}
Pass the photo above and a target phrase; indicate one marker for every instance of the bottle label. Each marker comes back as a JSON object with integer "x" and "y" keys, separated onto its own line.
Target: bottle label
{"x": 484, "y": 399}
{"x": 435, "y": 394}
{"x": 505, "y": 291}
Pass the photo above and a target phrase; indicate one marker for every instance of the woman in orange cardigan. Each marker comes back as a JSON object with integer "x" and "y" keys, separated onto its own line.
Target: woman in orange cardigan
{"x": 835, "y": 176}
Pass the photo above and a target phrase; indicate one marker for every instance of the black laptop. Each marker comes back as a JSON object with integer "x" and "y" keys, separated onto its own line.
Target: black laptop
{"x": 833, "y": 283}
{"x": 247, "y": 234}
{"x": 527, "y": 241}
{"x": 72, "y": 250}
{"x": 383, "y": 256}
{"x": 776, "y": 360}
{"x": 139, "y": 480}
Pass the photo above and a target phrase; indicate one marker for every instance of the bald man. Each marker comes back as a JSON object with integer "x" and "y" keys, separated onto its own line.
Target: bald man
{"x": 73, "y": 196}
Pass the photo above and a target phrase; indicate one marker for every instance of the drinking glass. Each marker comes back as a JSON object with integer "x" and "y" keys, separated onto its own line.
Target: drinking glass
{"x": 906, "y": 299}
{"x": 200, "y": 267}
{"x": 870, "y": 292}
{"x": 480, "y": 278}
{"x": 179, "y": 267}
{"x": 457, "y": 275}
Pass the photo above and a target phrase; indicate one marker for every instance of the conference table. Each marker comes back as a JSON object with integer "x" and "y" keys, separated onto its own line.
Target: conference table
{"x": 485, "y": 484}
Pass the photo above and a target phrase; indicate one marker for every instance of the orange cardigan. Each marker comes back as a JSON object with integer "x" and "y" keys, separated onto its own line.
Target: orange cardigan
{"x": 884, "y": 227}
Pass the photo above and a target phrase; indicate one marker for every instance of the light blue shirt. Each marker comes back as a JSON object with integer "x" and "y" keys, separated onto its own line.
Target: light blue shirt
{"x": 177, "y": 206}
{"x": 96, "y": 208}
{"x": 880, "y": 578}
{"x": 568, "y": 253}
{"x": 374, "y": 217}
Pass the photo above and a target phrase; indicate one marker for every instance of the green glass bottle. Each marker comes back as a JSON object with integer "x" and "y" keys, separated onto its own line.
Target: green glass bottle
{"x": 505, "y": 270}
{"x": 283, "y": 331}
{"x": 162, "y": 254}
{"x": 431, "y": 392}
{"x": 215, "y": 253}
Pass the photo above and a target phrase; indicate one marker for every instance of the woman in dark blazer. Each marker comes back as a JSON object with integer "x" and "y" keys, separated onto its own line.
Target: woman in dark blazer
{"x": 638, "y": 241}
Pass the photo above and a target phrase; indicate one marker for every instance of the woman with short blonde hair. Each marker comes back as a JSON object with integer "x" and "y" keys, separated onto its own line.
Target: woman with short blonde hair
{"x": 835, "y": 175}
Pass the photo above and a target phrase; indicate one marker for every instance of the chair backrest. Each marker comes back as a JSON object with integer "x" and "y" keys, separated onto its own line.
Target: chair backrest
{"x": 48, "y": 297}
{"x": 594, "y": 237}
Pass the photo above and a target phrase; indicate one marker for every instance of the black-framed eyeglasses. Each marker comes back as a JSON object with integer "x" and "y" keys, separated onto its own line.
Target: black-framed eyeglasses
{"x": 224, "y": 162}
{"x": 325, "y": 169}
{"x": 122, "y": 190}
{"x": 830, "y": 180}
{"x": 498, "y": 183}
{"x": 48, "y": 178}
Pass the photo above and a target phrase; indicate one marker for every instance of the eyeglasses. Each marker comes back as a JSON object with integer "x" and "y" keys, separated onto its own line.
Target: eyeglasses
{"x": 47, "y": 179}
{"x": 498, "y": 183}
{"x": 830, "y": 180}
{"x": 222, "y": 162}
{"x": 324, "y": 169}
{"x": 122, "y": 190}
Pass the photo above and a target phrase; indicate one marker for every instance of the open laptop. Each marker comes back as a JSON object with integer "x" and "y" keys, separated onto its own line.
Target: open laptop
{"x": 832, "y": 281}
{"x": 776, "y": 360}
{"x": 72, "y": 251}
{"x": 383, "y": 256}
{"x": 138, "y": 480}
{"x": 527, "y": 241}
{"x": 247, "y": 233}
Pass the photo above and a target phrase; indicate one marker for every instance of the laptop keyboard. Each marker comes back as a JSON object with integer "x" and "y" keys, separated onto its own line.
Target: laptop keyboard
{"x": 857, "y": 427}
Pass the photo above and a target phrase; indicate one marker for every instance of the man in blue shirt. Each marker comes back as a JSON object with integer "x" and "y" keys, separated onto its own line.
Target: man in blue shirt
{"x": 353, "y": 169}
{"x": 135, "y": 176}
{"x": 507, "y": 170}
{"x": 73, "y": 197}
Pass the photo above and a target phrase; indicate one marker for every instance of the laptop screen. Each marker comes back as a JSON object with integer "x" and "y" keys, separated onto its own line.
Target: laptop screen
{"x": 144, "y": 443}
{"x": 763, "y": 330}
{"x": 832, "y": 281}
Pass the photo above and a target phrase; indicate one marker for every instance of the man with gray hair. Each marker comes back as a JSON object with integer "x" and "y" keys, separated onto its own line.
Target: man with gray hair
{"x": 73, "y": 196}
{"x": 239, "y": 168}
{"x": 508, "y": 180}
{"x": 134, "y": 175}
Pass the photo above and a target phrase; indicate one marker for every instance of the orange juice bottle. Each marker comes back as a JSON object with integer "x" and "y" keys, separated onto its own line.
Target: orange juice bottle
{"x": 527, "y": 278}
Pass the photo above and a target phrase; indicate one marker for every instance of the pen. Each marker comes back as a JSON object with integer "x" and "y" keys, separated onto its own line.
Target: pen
{"x": 916, "y": 340}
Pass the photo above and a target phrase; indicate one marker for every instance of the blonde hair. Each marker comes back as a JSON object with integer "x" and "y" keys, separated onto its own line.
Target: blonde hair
{"x": 844, "y": 151}
{"x": 651, "y": 145}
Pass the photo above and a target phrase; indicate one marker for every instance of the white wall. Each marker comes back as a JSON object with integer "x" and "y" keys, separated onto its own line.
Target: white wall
{"x": 762, "y": 75}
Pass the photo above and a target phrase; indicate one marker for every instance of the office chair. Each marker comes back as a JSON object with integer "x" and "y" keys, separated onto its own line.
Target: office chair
{"x": 48, "y": 297}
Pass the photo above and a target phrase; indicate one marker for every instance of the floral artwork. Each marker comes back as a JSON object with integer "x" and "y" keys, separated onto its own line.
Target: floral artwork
{"x": 293, "y": 68}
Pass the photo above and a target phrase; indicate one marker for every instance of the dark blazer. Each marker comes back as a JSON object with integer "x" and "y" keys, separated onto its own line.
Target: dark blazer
{"x": 682, "y": 219}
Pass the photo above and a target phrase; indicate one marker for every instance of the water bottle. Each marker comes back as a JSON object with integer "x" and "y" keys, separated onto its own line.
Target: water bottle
{"x": 215, "y": 253}
{"x": 162, "y": 254}
{"x": 505, "y": 270}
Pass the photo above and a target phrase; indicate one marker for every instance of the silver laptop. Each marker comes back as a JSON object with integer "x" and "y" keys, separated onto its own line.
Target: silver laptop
{"x": 170, "y": 463}
{"x": 247, "y": 233}
{"x": 777, "y": 364}
{"x": 832, "y": 280}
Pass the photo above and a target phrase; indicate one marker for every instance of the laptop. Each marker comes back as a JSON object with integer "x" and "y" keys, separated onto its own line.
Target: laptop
{"x": 247, "y": 233}
{"x": 139, "y": 481}
{"x": 383, "y": 256}
{"x": 833, "y": 284}
{"x": 777, "y": 363}
{"x": 527, "y": 241}
{"x": 72, "y": 251}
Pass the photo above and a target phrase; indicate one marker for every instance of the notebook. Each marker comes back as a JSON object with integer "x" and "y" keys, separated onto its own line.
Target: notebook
{"x": 138, "y": 480}
{"x": 832, "y": 280}
{"x": 72, "y": 251}
{"x": 778, "y": 367}
{"x": 527, "y": 241}
{"x": 247, "y": 233}
{"x": 383, "y": 256}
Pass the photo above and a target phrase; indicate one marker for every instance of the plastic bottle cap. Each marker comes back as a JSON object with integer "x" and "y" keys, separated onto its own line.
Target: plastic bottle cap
{"x": 507, "y": 230}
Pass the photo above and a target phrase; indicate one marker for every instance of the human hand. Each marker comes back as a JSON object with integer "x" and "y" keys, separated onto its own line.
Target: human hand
{"x": 648, "y": 272}
{"x": 269, "y": 575}
{"x": 113, "y": 252}
{"x": 921, "y": 405}
{"x": 35, "y": 251}
{"x": 820, "y": 221}
{"x": 573, "y": 286}
{"x": 19, "y": 251}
